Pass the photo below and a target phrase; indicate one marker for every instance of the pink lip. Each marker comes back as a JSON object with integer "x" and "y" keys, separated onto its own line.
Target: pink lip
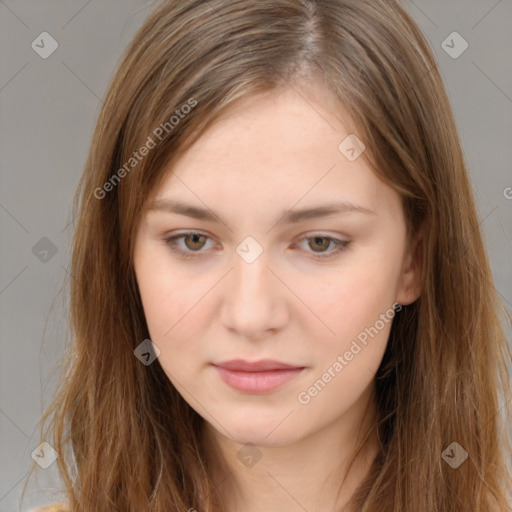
{"x": 255, "y": 366}
{"x": 256, "y": 377}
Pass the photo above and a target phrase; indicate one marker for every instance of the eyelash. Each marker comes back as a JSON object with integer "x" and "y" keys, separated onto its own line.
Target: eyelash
{"x": 340, "y": 245}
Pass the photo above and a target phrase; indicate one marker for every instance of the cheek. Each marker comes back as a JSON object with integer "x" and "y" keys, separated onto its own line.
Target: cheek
{"x": 352, "y": 300}
{"x": 167, "y": 298}
{"x": 178, "y": 315}
{"x": 346, "y": 360}
{"x": 173, "y": 315}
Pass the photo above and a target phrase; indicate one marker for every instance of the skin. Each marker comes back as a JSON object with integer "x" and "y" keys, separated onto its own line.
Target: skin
{"x": 274, "y": 153}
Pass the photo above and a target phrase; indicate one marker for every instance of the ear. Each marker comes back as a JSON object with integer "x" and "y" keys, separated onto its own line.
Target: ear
{"x": 410, "y": 279}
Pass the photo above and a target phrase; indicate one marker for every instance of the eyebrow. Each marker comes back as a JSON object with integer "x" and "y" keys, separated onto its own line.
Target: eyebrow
{"x": 287, "y": 216}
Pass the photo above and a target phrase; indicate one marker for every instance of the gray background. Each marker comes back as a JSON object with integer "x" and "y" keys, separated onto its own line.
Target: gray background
{"x": 48, "y": 108}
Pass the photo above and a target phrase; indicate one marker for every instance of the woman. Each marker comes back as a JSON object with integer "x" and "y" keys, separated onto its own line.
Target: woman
{"x": 279, "y": 291}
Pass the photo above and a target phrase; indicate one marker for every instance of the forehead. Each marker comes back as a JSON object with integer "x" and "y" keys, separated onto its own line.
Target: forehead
{"x": 276, "y": 126}
{"x": 276, "y": 148}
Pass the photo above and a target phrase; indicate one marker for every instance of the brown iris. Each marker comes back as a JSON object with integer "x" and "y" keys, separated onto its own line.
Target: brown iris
{"x": 322, "y": 246}
{"x": 196, "y": 239}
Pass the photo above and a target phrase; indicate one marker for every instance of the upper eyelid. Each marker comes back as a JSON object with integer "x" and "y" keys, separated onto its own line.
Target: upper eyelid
{"x": 309, "y": 234}
{"x": 184, "y": 234}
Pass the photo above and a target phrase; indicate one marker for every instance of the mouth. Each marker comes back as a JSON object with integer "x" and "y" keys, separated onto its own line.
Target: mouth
{"x": 256, "y": 377}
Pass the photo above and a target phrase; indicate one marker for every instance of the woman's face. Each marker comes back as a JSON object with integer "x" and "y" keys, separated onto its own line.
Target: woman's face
{"x": 284, "y": 248}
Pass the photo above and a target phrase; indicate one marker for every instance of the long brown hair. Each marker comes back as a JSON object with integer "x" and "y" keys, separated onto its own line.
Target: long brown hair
{"x": 127, "y": 440}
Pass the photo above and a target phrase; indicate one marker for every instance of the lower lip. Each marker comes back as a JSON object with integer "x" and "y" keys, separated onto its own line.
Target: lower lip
{"x": 257, "y": 382}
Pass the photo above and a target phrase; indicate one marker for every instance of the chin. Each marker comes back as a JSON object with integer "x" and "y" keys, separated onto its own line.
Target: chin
{"x": 270, "y": 433}
{"x": 262, "y": 439}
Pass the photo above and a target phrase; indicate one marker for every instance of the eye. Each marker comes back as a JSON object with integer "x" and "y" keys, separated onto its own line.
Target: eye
{"x": 195, "y": 241}
{"x": 320, "y": 244}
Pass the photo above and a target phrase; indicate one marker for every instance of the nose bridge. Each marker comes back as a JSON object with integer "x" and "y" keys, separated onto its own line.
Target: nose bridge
{"x": 252, "y": 302}
{"x": 250, "y": 279}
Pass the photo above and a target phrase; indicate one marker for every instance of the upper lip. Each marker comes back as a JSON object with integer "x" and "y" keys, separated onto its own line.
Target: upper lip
{"x": 255, "y": 366}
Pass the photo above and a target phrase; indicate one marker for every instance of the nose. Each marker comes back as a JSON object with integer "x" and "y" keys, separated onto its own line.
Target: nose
{"x": 254, "y": 302}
